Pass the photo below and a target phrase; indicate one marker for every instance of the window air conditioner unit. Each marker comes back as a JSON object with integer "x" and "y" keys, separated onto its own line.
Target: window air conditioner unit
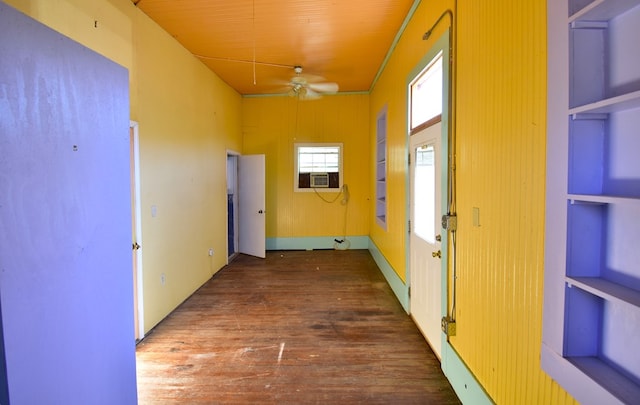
{"x": 319, "y": 180}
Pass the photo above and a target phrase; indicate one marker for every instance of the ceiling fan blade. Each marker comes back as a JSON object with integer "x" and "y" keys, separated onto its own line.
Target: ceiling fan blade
{"x": 311, "y": 95}
{"x": 279, "y": 82}
{"x": 281, "y": 90}
{"x": 324, "y": 87}
{"x": 312, "y": 78}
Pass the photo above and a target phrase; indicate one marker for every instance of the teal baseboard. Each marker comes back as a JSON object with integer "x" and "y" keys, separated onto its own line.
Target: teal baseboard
{"x": 395, "y": 282}
{"x": 464, "y": 383}
{"x": 317, "y": 242}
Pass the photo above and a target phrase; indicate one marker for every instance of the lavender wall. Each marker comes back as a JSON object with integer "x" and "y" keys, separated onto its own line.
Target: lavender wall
{"x": 66, "y": 286}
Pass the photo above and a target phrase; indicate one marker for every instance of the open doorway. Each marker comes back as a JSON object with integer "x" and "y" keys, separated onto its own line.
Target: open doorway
{"x": 232, "y": 205}
{"x": 245, "y": 205}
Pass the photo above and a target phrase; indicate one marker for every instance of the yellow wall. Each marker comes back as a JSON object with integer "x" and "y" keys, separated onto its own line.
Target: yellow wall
{"x": 187, "y": 119}
{"x": 501, "y": 168}
{"x": 501, "y": 171}
{"x": 271, "y": 126}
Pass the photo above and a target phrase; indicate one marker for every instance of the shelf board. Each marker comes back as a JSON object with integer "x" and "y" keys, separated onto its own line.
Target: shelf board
{"x": 602, "y": 199}
{"x": 608, "y": 377}
{"x": 606, "y": 289}
{"x": 624, "y": 102}
{"x": 604, "y": 10}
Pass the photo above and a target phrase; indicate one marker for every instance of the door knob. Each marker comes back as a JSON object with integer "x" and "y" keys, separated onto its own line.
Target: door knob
{"x": 437, "y": 254}
{"x": 135, "y": 246}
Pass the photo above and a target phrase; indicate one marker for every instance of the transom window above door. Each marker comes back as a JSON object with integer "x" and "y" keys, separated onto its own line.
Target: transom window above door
{"x": 426, "y": 94}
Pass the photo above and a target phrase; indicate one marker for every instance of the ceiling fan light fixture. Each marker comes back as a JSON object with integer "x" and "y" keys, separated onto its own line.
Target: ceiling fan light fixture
{"x": 298, "y": 90}
{"x": 302, "y": 87}
{"x": 295, "y": 90}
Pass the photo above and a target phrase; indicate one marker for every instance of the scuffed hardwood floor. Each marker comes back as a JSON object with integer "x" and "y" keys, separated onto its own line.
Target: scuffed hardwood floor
{"x": 303, "y": 327}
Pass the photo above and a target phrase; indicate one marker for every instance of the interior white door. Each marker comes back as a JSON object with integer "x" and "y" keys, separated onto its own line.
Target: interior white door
{"x": 136, "y": 231}
{"x": 251, "y": 205}
{"x": 425, "y": 262}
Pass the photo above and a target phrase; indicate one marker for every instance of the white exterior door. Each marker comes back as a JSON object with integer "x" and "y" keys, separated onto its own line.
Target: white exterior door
{"x": 425, "y": 261}
{"x": 251, "y": 205}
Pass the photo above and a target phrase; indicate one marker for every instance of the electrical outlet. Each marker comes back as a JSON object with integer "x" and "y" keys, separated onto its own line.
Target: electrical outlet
{"x": 163, "y": 279}
{"x": 210, "y": 251}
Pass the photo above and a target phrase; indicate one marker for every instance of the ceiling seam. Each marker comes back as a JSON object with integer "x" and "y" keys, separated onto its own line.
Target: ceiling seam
{"x": 404, "y": 25}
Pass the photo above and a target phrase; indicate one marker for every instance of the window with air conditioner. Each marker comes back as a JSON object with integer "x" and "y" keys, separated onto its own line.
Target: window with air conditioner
{"x": 318, "y": 166}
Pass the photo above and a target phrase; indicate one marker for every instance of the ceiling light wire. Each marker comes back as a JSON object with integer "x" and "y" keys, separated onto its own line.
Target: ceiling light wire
{"x": 253, "y": 27}
{"x": 280, "y": 65}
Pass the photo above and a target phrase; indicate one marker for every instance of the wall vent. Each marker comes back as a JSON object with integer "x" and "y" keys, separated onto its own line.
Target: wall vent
{"x": 319, "y": 180}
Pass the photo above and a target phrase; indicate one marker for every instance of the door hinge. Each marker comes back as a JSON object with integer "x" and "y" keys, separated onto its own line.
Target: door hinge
{"x": 409, "y": 226}
{"x": 409, "y": 159}
{"x": 409, "y": 291}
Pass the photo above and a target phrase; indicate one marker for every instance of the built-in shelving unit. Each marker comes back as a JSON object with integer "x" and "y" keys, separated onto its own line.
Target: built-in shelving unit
{"x": 592, "y": 252}
{"x": 381, "y": 169}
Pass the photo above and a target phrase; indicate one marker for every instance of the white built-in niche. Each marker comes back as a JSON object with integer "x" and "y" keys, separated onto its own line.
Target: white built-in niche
{"x": 591, "y": 334}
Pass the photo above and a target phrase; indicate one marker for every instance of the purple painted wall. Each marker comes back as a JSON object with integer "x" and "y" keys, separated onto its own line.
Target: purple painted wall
{"x": 66, "y": 284}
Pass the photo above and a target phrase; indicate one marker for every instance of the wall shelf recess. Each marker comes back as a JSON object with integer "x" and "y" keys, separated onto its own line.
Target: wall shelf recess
{"x": 381, "y": 169}
{"x": 591, "y": 324}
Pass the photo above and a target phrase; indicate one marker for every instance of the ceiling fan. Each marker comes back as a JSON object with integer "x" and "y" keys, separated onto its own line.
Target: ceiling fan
{"x": 305, "y": 86}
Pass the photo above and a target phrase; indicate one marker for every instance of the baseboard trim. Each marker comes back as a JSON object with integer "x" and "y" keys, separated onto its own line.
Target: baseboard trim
{"x": 317, "y": 243}
{"x": 464, "y": 383}
{"x": 398, "y": 286}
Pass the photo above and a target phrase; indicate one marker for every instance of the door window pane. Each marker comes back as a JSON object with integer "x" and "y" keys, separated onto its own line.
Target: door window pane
{"x": 424, "y": 193}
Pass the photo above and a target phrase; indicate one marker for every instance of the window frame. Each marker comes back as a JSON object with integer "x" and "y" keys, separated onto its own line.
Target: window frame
{"x": 415, "y": 127}
{"x": 296, "y": 167}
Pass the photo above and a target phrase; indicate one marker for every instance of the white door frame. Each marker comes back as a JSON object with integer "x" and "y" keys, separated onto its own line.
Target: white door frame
{"x": 440, "y": 45}
{"x": 240, "y": 213}
{"x": 137, "y": 209}
{"x": 235, "y": 207}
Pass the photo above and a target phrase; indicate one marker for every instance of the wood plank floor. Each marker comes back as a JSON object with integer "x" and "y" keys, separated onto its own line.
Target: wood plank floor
{"x": 303, "y": 327}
